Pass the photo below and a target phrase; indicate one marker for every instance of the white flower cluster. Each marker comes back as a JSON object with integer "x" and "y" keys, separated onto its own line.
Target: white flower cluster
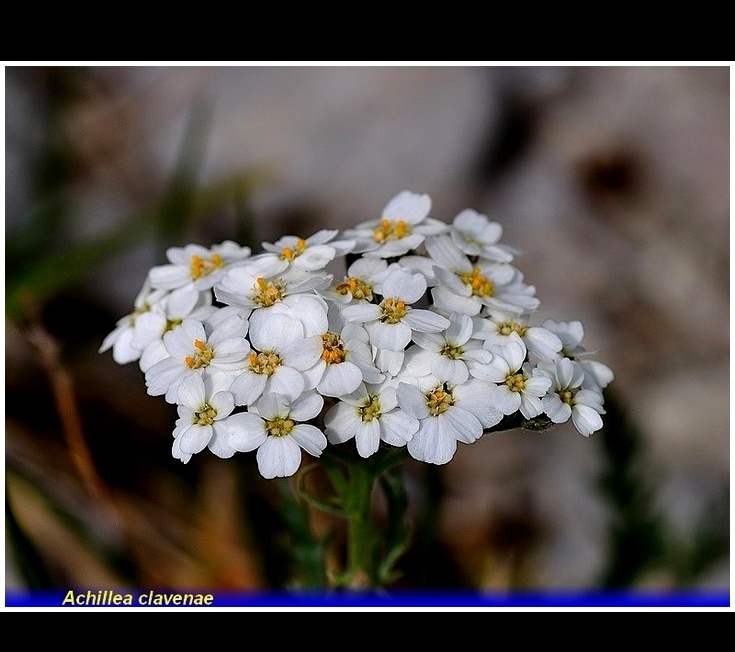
{"x": 424, "y": 342}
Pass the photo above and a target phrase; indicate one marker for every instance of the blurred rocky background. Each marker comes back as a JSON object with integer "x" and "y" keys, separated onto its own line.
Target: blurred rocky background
{"x": 612, "y": 181}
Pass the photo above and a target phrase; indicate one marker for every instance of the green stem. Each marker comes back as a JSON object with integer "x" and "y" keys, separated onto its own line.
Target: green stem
{"x": 362, "y": 536}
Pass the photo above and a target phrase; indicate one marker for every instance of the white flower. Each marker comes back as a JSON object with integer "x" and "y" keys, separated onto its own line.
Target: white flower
{"x": 475, "y": 235}
{"x": 357, "y": 285}
{"x": 402, "y": 227}
{"x": 496, "y": 329}
{"x": 204, "y": 405}
{"x": 196, "y": 266}
{"x": 451, "y": 354}
{"x": 370, "y": 415}
{"x": 571, "y": 333}
{"x": 566, "y": 398}
{"x": 391, "y": 323}
{"x": 251, "y": 288}
{"x": 520, "y": 385}
{"x": 193, "y": 351}
{"x": 345, "y": 362}
{"x": 121, "y": 339}
{"x": 467, "y": 287}
{"x": 447, "y": 414}
{"x": 272, "y": 427}
{"x": 310, "y": 255}
{"x": 277, "y": 363}
{"x": 167, "y": 315}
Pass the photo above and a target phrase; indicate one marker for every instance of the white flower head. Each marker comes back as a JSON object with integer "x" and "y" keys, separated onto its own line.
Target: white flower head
{"x": 521, "y": 385}
{"x": 571, "y": 333}
{"x": 280, "y": 356}
{"x": 450, "y": 354}
{"x": 497, "y": 327}
{"x": 122, "y": 340}
{"x": 403, "y": 226}
{"x": 193, "y": 351}
{"x": 275, "y": 427}
{"x": 447, "y": 414}
{"x": 369, "y": 415}
{"x": 566, "y": 398}
{"x": 468, "y": 287}
{"x": 310, "y": 255}
{"x": 358, "y": 284}
{"x": 197, "y": 266}
{"x": 346, "y": 361}
{"x": 204, "y": 405}
{"x": 167, "y": 315}
{"x": 475, "y": 235}
{"x": 391, "y": 323}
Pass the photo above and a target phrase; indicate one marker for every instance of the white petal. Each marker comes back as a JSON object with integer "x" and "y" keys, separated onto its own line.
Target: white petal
{"x": 389, "y": 361}
{"x": 218, "y": 444}
{"x": 531, "y": 406}
{"x": 341, "y": 423}
{"x": 454, "y": 372}
{"x": 507, "y": 402}
{"x": 310, "y": 438}
{"x": 586, "y": 420}
{"x": 412, "y": 401}
{"x": 404, "y": 284}
{"x": 278, "y": 457}
{"x": 273, "y": 328}
{"x": 247, "y": 431}
{"x": 362, "y": 312}
{"x": 286, "y": 381}
{"x": 393, "y": 337}
{"x": 398, "y": 427}
{"x": 459, "y": 330}
{"x": 307, "y": 406}
{"x": 195, "y": 439}
{"x": 480, "y": 398}
{"x": 465, "y": 426}
{"x": 430, "y": 444}
{"x": 556, "y": 409}
{"x": 223, "y": 403}
{"x": 169, "y": 277}
{"x": 407, "y": 206}
{"x": 248, "y": 387}
{"x": 367, "y": 439}
{"x": 303, "y": 353}
{"x": 340, "y": 379}
{"x": 426, "y": 321}
{"x": 449, "y": 302}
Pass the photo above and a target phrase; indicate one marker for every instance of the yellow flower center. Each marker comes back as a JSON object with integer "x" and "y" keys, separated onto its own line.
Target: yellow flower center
{"x": 205, "y": 416}
{"x": 357, "y": 287}
{"x": 138, "y": 312}
{"x": 439, "y": 400}
{"x": 265, "y": 362}
{"x": 334, "y": 351}
{"x": 566, "y": 396}
{"x": 171, "y": 324}
{"x": 279, "y": 426}
{"x": 516, "y": 382}
{"x": 478, "y": 284}
{"x": 508, "y": 327}
{"x": 205, "y": 266}
{"x": 371, "y": 409}
{"x": 202, "y": 356}
{"x": 287, "y": 253}
{"x": 268, "y": 293}
{"x": 389, "y": 230}
{"x": 393, "y": 310}
{"x": 452, "y": 352}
